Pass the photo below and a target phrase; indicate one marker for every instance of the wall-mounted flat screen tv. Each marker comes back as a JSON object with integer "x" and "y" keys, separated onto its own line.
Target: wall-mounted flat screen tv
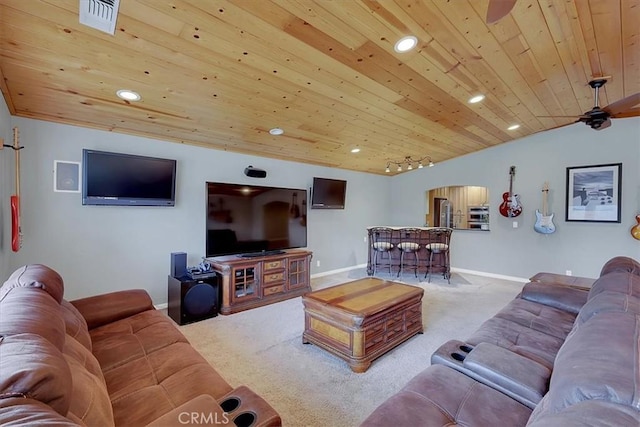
{"x": 252, "y": 220}
{"x": 127, "y": 180}
{"x": 328, "y": 193}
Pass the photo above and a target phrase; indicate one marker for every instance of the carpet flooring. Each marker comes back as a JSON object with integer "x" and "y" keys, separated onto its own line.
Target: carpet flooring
{"x": 262, "y": 349}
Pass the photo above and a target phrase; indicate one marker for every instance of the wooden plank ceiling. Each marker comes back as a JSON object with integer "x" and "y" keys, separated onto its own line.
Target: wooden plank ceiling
{"x": 220, "y": 74}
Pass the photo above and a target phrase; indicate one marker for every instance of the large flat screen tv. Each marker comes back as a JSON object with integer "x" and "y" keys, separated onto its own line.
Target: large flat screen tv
{"x": 127, "y": 180}
{"x": 251, "y": 220}
{"x": 328, "y": 193}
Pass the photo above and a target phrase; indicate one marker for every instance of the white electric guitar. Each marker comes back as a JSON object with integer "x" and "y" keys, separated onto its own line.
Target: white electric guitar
{"x": 544, "y": 221}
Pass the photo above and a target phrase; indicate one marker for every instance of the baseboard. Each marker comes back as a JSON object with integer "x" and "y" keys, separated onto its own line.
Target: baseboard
{"x": 453, "y": 269}
{"x": 161, "y": 306}
{"x": 340, "y": 270}
{"x": 492, "y": 275}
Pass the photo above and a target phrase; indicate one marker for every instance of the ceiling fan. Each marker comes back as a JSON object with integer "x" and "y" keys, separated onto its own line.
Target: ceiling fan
{"x": 600, "y": 118}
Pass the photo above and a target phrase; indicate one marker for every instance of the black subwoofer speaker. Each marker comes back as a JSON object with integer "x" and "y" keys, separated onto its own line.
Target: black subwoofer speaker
{"x": 193, "y": 300}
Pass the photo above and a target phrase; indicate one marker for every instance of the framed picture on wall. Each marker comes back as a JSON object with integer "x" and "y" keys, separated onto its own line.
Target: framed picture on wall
{"x": 594, "y": 193}
{"x": 66, "y": 176}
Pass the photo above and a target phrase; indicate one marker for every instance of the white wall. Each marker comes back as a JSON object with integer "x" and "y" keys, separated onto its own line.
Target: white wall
{"x": 103, "y": 248}
{"x": 7, "y": 172}
{"x": 100, "y": 249}
{"x": 521, "y": 252}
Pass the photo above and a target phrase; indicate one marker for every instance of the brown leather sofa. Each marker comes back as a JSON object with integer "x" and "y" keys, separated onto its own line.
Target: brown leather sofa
{"x": 554, "y": 356}
{"x": 106, "y": 360}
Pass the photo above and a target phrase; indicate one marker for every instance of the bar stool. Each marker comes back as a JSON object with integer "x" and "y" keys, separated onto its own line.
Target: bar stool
{"x": 409, "y": 244}
{"x": 381, "y": 245}
{"x": 438, "y": 244}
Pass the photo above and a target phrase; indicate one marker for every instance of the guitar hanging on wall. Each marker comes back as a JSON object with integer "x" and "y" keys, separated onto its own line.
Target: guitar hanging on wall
{"x": 510, "y": 207}
{"x": 544, "y": 221}
{"x": 16, "y": 230}
{"x": 635, "y": 230}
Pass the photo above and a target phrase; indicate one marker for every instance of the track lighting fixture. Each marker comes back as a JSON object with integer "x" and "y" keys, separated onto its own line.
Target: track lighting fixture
{"x": 408, "y": 161}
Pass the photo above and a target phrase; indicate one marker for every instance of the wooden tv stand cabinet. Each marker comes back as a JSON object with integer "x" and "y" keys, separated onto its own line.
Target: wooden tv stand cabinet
{"x": 256, "y": 281}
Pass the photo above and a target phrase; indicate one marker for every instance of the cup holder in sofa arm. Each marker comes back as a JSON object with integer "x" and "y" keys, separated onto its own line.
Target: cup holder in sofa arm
{"x": 457, "y": 356}
{"x": 245, "y": 419}
{"x": 230, "y": 404}
{"x": 244, "y": 408}
{"x": 452, "y": 353}
{"x": 466, "y": 348}
{"x": 510, "y": 373}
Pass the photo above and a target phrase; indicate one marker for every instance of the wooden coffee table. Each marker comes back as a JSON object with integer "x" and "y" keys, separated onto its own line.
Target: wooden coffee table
{"x": 362, "y": 320}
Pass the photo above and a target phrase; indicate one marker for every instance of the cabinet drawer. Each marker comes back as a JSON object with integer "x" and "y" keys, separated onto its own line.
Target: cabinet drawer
{"x": 372, "y": 342}
{"x": 374, "y": 329}
{"x": 273, "y": 277}
{"x": 271, "y": 290}
{"x": 272, "y": 265}
{"x": 395, "y": 320}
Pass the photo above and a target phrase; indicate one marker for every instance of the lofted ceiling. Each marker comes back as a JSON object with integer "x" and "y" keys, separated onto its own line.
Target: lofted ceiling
{"x": 221, "y": 74}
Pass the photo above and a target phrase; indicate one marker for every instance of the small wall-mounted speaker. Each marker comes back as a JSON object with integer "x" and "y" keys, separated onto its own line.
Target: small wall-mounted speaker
{"x": 252, "y": 172}
{"x": 66, "y": 176}
{"x": 193, "y": 300}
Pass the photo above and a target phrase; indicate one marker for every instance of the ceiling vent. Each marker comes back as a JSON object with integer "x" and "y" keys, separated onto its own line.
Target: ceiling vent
{"x": 99, "y": 14}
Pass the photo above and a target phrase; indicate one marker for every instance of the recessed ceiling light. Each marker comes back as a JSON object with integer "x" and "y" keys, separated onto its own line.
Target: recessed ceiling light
{"x": 128, "y": 95}
{"x": 476, "y": 99}
{"x": 355, "y": 150}
{"x": 405, "y": 44}
{"x": 513, "y": 127}
{"x": 276, "y": 131}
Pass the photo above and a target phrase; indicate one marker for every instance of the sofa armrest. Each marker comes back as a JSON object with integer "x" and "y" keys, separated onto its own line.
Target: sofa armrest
{"x": 517, "y": 376}
{"x": 103, "y": 309}
{"x": 567, "y": 298}
{"x": 240, "y": 407}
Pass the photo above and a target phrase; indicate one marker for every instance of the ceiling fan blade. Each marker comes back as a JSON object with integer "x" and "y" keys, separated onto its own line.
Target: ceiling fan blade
{"x": 559, "y": 117}
{"x": 623, "y": 104}
{"x": 632, "y": 112}
{"x": 498, "y": 9}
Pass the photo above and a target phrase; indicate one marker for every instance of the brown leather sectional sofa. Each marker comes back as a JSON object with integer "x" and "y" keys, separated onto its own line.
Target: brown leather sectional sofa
{"x": 106, "y": 360}
{"x": 554, "y": 356}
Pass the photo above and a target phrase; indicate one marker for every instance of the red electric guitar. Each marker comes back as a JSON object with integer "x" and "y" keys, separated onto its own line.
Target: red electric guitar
{"x": 510, "y": 207}
{"x": 16, "y": 231}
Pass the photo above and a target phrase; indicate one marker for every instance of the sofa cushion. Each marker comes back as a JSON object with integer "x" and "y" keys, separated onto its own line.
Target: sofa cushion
{"x": 75, "y": 324}
{"x": 525, "y": 341}
{"x": 76, "y": 351}
{"x": 145, "y": 358}
{"x": 440, "y": 396}
{"x": 599, "y": 361}
{"x": 539, "y": 317}
{"x": 624, "y": 283}
{"x": 621, "y": 264}
{"x": 608, "y": 302}
{"x": 133, "y": 338}
{"x": 565, "y": 298}
{"x": 592, "y": 413}
{"x": 89, "y": 398}
{"x": 32, "y": 366}
{"x": 35, "y": 276}
{"x": 31, "y": 310}
{"x": 21, "y": 412}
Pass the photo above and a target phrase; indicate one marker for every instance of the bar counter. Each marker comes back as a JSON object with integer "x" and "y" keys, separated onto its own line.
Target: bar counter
{"x": 397, "y": 237}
